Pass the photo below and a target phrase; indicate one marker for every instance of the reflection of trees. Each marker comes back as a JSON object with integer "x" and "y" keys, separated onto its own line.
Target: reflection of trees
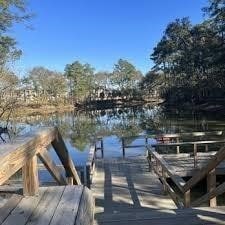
{"x": 83, "y": 131}
{"x": 81, "y": 128}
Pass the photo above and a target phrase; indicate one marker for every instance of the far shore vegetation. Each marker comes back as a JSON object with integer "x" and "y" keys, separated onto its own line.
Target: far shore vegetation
{"x": 189, "y": 70}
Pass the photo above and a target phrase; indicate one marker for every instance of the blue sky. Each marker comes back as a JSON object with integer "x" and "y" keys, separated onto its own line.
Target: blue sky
{"x": 98, "y": 31}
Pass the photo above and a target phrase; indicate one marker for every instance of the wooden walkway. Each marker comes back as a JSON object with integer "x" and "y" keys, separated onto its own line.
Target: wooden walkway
{"x": 126, "y": 192}
{"x": 186, "y": 165}
{"x": 65, "y": 204}
{"x": 53, "y": 206}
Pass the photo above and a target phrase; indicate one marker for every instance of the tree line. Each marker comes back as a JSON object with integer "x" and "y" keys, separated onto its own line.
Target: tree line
{"x": 189, "y": 60}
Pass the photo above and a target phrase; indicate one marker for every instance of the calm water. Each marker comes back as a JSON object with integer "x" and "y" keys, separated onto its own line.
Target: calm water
{"x": 79, "y": 129}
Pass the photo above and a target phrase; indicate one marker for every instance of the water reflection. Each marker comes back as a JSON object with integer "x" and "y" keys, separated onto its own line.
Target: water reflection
{"x": 80, "y": 128}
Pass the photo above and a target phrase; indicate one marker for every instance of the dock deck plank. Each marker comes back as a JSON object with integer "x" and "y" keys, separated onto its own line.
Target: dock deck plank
{"x": 55, "y": 205}
{"x": 127, "y": 193}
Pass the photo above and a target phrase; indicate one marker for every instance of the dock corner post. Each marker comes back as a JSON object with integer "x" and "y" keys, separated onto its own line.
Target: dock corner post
{"x": 195, "y": 155}
{"x": 149, "y": 156}
{"x": 88, "y": 176}
{"x": 206, "y": 148}
{"x": 187, "y": 198}
{"x": 123, "y": 147}
{"x": 178, "y": 147}
{"x": 70, "y": 180}
{"x": 211, "y": 185}
{"x": 30, "y": 177}
{"x": 164, "y": 178}
{"x": 102, "y": 147}
{"x": 146, "y": 140}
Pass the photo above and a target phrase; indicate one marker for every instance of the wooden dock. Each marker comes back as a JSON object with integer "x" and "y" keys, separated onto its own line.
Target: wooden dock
{"x": 128, "y": 193}
{"x": 138, "y": 190}
{"x": 69, "y": 203}
{"x": 53, "y": 205}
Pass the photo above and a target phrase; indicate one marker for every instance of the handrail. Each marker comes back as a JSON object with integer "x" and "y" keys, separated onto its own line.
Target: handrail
{"x": 23, "y": 153}
{"x": 178, "y": 135}
{"x": 212, "y": 164}
{"x": 185, "y": 187}
{"x": 169, "y": 169}
{"x": 188, "y": 143}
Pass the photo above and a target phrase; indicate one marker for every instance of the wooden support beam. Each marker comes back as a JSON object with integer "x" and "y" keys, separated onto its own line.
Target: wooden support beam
{"x": 51, "y": 167}
{"x": 195, "y": 155}
{"x": 210, "y": 195}
{"x": 63, "y": 154}
{"x": 178, "y": 147}
{"x": 211, "y": 185}
{"x": 187, "y": 199}
{"x": 30, "y": 177}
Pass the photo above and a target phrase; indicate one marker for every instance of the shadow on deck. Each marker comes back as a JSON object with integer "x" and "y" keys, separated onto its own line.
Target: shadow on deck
{"x": 127, "y": 192}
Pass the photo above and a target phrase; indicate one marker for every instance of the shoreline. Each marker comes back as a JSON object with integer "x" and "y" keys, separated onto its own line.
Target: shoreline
{"x": 43, "y": 110}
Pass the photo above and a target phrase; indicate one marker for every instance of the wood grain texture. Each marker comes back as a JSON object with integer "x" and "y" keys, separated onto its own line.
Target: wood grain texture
{"x": 67, "y": 209}
{"x": 85, "y": 214}
{"x": 14, "y": 156}
{"x": 43, "y": 213}
{"x": 51, "y": 167}
{"x": 24, "y": 210}
{"x": 9, "y": 207}
{"x": 63, "y": 154}
{"x": 30, "y": 177}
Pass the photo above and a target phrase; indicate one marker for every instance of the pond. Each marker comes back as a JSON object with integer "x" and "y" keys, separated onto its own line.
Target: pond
{"x": 80, "y": 128}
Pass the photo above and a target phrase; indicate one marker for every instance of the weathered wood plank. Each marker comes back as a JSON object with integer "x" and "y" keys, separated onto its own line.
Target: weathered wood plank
{"x": 14, "y": 156}
{"x": 51, "y": 166}
{"x": 23, "y": 210}
{"x": 67, "y": 209}
{"x": 63, "y": 154}
{"x": 86, "y": 209}
{"x": 9, "y": 206}
{"x": 43, "y": 213}
{"x": 30, "y": 177}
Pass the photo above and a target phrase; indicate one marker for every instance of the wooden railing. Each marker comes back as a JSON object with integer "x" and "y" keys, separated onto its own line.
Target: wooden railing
{"x": 165, "y": 171}
{"x": 24, "y": 152}
{"x": 175, "y": 139}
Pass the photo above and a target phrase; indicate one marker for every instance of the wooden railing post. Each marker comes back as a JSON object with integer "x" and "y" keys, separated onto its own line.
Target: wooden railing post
{"x": 70, "y": 180}
{"x": 102, "y": 147}
{"x": 195, "y": 155}
{"x": 187, "y": 198}
{"x": 30, "y": 177}
{"x": 164, "y": 177}
{"x": 206, "y": 148}
{"x": 178, "y": 147}
{"x": 211, "y": 185}
{"x": 146, "y": 141}
{"x": 123, "y": 147}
